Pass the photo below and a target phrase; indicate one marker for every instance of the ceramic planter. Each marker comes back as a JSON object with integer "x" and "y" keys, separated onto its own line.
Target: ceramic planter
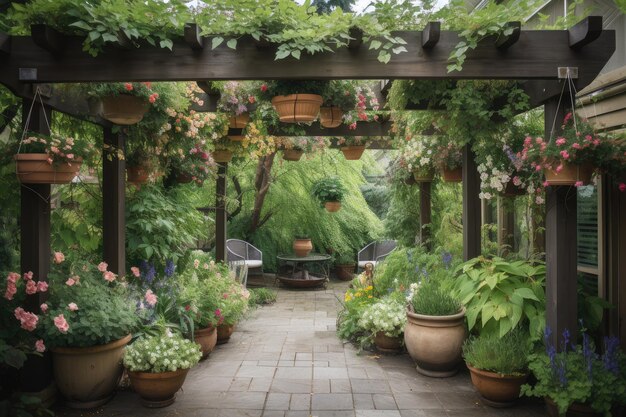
{"x": 345, "y": 272}
{"x": 87, "y": 377}
{"x": 574, "y": 410}
{"x": 239, "y": 122}
{"x": 387, "y": 344}
{"x": 435, "y": 342}
{"x": 332, "y": 206}
{"x": 452, "y": 175}
{"x": 159, "y": 389}
{"x": 124, "y": 109}
{"x": 296, "y": 108}
{"x": 353, "y": 153}
{"x": 33, "y": 168}
{"x": 207, "y": 339}
{"x": 569, "y": 175}
{"x": 497, "y": 390}
{"x": 423, "y": 176}
{"x": 224, "y": 332}
{"x": 331, "y": 117}
{"x": 302, "y": 247}
{"x": 137, "y": 174}
{"x": 222, "y": 156}
{"x": 292, "y": 154}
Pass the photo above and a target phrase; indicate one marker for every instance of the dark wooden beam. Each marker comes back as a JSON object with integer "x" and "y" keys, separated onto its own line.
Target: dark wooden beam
{"x": 192, "y": 36}
{"x": 471, "y": 206}
{"x": 114, "y": 202}
{"x": 585, "y": 32}
{"x": 362, "y": 129}
{"x": 505, "y": 42}
{"x": 357, "y": 38}
{"x": 431, "y": 35}
{"x": 5, "y": 44}
{"x": 48, "y": 38}
{"x": 123, "y": 41}
{"x": 425, "y": 215}
{"x": 221, "y": 215}
{"x": 561, "y": 246}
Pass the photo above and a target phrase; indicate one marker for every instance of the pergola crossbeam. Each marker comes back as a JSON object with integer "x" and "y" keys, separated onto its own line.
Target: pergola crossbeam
{"x": 48, "y": 38}
{"x": 192, "y": 36}
{"x": 505, "y": 42}
{"x": 585, "y": 32}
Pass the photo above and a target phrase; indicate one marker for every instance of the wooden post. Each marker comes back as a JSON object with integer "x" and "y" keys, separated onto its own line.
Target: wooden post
{"x": 506, "y": 225}
{"x": 221, "y": 216}
{"x": 471, "y": 205}
{"x": 114, "y": 202}
{"x": 425, "y": 215}
{"x": 561, "y": 245}
{"x": 616, "y": 268}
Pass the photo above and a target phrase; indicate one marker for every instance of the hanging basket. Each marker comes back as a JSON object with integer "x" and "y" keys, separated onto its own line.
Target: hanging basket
{"x": 452, "y": 175}
{"x": 124, "y": 109}
{"x": 296, "y": 108}
{"x": 236, "y": 138}
{"x": 425, "y": 175}
{"x": 292, "y": 154}
{"x": 512, "y": 190}
{"x": 222, "y": 156}
{"x": 332, "y": 206}
{"x": 331, "y": 117}
{"x": 33, "y": 168}
{"x": 353, "y": 153}
{"x": 239, "y": 122}
{"x": 184, "y": 178}
{"x": 569, "y": 175}
{"x": 138, "y": 174}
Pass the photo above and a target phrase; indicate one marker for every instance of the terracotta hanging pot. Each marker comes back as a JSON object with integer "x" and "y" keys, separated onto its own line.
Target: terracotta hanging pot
{"x": 33, "y": 168}
{"x": 302, "y": 247}
{"x": 239, "y": 122}
{"x": 124, "y": 109}
{"x": 496, "y": 389}
{"x": 236, "y": 138}
{"x": 353, "y": 153}
{"x": 207, "y": 339}
{"x": 137, "y": 174}
{"x": 574, "y": 410}
{"x": 222, "y": 156}
{"x": 87, "y": 377}
{"x": 387, "y": 344}
{"x": 331, "y": 117}
{"x": 435, "y": 342}
{"x": 345, "y": 272}
{"x": 452, "y": 175}
{"x": 332, "y": 206}
{"x": 570, "y": 174}
{"x": 423, "y": 175}
{"x": 224, "y": 332}
{"x": 296, "y": 108}
{"x": 157, "y": 389}
{"x": 292, "y": 154}
{"x": 512, "y": 190}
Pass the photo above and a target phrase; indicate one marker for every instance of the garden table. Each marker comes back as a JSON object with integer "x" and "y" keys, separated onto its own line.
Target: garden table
{"x": 303, "y": 271}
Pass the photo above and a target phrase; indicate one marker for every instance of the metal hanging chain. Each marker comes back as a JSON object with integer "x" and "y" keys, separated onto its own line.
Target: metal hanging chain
{"x": 556, "y": 113}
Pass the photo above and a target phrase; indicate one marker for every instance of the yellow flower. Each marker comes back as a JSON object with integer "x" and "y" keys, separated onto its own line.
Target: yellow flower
{"x": 358, "y": 294}
{"x": 348, "y": 297}
{"x": 369, "y": 288}
{"x": 370, "y": 296}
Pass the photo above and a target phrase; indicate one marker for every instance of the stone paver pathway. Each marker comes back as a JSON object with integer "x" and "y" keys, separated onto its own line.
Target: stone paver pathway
{"x": 285, "y": 360}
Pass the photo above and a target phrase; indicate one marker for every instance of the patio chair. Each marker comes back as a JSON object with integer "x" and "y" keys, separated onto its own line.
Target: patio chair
{"x": 239, "y": 250}
{"x": 375, "y": 252}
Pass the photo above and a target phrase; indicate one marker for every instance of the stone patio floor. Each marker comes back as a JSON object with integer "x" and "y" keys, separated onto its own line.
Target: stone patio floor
{"x": 285, "y": 360}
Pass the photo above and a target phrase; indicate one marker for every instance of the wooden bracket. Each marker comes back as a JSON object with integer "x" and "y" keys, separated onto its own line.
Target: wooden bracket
{"x": 431, "y": 34}
{"x": 5, "y": 44}
{"x": 48, "y": 38}
{"x": 192, "y": 36}
{"x": 585, "y": 32}
{"x": 504, "y": 42}
{"x": 357, "y": 38}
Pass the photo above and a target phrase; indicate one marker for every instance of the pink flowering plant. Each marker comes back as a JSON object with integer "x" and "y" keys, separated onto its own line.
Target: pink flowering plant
{"x": 237, "y": 97}
{"x": 61, "y": 150}
{"x": 342, "y": 94}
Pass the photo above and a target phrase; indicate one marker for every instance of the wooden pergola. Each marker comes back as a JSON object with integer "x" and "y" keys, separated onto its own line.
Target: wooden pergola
{"x": 541, "y": 60}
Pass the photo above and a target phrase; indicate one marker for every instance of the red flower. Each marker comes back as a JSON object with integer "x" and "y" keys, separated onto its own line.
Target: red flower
{"x": 264, "y": 87}
{"x": 187, "y": 307}
{"x": 128, "y": 86}
{"x": 148, "y": 84}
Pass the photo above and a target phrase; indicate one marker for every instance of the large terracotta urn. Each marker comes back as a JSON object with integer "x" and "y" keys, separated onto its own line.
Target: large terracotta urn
{"x": 302, "y": 247}
{"x": 435, "y": 342}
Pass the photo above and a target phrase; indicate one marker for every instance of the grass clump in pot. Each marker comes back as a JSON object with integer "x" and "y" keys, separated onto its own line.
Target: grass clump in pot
{"x": 506, "y": 355}
{"x": 431, "y": 300}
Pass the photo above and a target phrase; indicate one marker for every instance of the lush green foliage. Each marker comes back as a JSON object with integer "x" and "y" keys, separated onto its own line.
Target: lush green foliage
{"x": 286, "y": 87}
{"x": 163, "y": 353}
{"x": 377, "y": 197}
{"x": 261, "y": 296}
{"x": 506, "y": 355}
{"x": 340, "y": 93}
{"x": 328, "y": 190}
{"x": 356, "y": 301}
{"x": 431, "y": 299}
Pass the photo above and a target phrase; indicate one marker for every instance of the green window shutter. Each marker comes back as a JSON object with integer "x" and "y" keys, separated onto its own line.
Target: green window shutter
{"x": 587, "y": 225}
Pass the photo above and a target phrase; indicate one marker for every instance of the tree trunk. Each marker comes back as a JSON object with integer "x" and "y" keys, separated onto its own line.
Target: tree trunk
{"x": 262, "y": 184}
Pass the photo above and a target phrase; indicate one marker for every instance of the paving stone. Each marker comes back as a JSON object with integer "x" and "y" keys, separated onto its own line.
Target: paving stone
{"x": 384, "y": 402}
{"x": 363, "y": 402}
{"x": 330, "y": 373}
{"x": 293, "y": 373}
{"x": 260, "y": 384}
{"x": 332, "y": 402}
{"x": 378, "y": 413}
{"x": 300, "y": 402}
{"x": 321, "y": 386}
{"x": 256, "y": 371}
{"x": 417, "y": 400}
{"x": 370, "y": 386}
{"x": 291, "y": 386}
{"x": 340, "y": 386}
{"x": 277, "y": 401}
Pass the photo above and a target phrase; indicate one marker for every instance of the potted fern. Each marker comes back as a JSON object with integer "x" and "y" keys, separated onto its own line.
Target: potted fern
{"x": 329, "y": 192}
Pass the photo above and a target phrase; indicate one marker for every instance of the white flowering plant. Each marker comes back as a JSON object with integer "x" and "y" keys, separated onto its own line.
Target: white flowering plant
{"x": 387, "y": 315}
{"x": 418, "y": 154}
{"x": 164, "y": 353}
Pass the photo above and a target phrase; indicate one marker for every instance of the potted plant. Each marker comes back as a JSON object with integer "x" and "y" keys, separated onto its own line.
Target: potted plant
{"x": 141, "y": 165}
{"x": 449, "y": 157}
{"x": 86, "y": 349}
{"x": 329, "y": 192}
{"x": 435, "y": 330}
{"x": 124, "y": 103}
{"x": 498, "y": 366}
{"x": 158, "y": 365}
{"x": 52, "y": 159}
{"x": 233, "y": 305}
{"x": 295, "y": 101}
{"x": 294, "y": 147}
{"x": 339, "y": 97}
{"x": 385, "y": 321}
{"x": 344, "y": 267}
{"x": 352, "y": 147}
{"x": 302, "y": 245}
{"x": 237, "y": 100}
{"x": 417, "y": 157}
{"x": 576, "y": 381}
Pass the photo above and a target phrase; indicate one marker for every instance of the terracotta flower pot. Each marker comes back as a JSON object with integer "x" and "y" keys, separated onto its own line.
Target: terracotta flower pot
{"x": 302, "y": 247}
{"x": 498, "y": 390}
{"x": 207, "y": 339}
{"x": 331, "y": 116}
{"x": 387, "y": 344}
{"x": 452, "y": 175}
{"x": 332, "y": 206}
{"x": 345, "y": 272}
{"x": 124, "y": 109}
{"x": 222, "y": 156}
{"x": 157, "y": 389}
{"x": 292, "y": 154}
{"x": 423, "y": 175}
{"x": 224, "y": 332}
{"x": 239, "y": 122}
{"x": 353, "y": 153}
{"x": 574, "y": 410}
{"x": 87, "y": 377}
{"x": 236, "y": 138}
{"x": 569, "y": 175}
{"x": 137, "y": 174}
{"x": 296, "y": 108}
{"x": 33, "y": 168}
{"x": 435, "y": 342}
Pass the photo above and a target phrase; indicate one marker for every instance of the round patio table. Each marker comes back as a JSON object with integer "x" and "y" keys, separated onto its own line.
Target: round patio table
{"x": 312, "y": 270}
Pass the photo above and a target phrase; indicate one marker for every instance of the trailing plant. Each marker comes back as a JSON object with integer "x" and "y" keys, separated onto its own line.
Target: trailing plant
{"x": 236, "y": 97}
{"x": 340, "y": 93}
{"x": 506, "y": 355}
{"x": 162, "y": 353}
{"x": 61, "y": 150}
{"x": 328, "y": 189}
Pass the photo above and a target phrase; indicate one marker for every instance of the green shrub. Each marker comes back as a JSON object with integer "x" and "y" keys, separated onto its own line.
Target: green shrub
{"x": 507, "y": 355}
{"x": 328, "y": 189}
{"x": 261, "y": 296}
{"x": 431, "y": 300}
